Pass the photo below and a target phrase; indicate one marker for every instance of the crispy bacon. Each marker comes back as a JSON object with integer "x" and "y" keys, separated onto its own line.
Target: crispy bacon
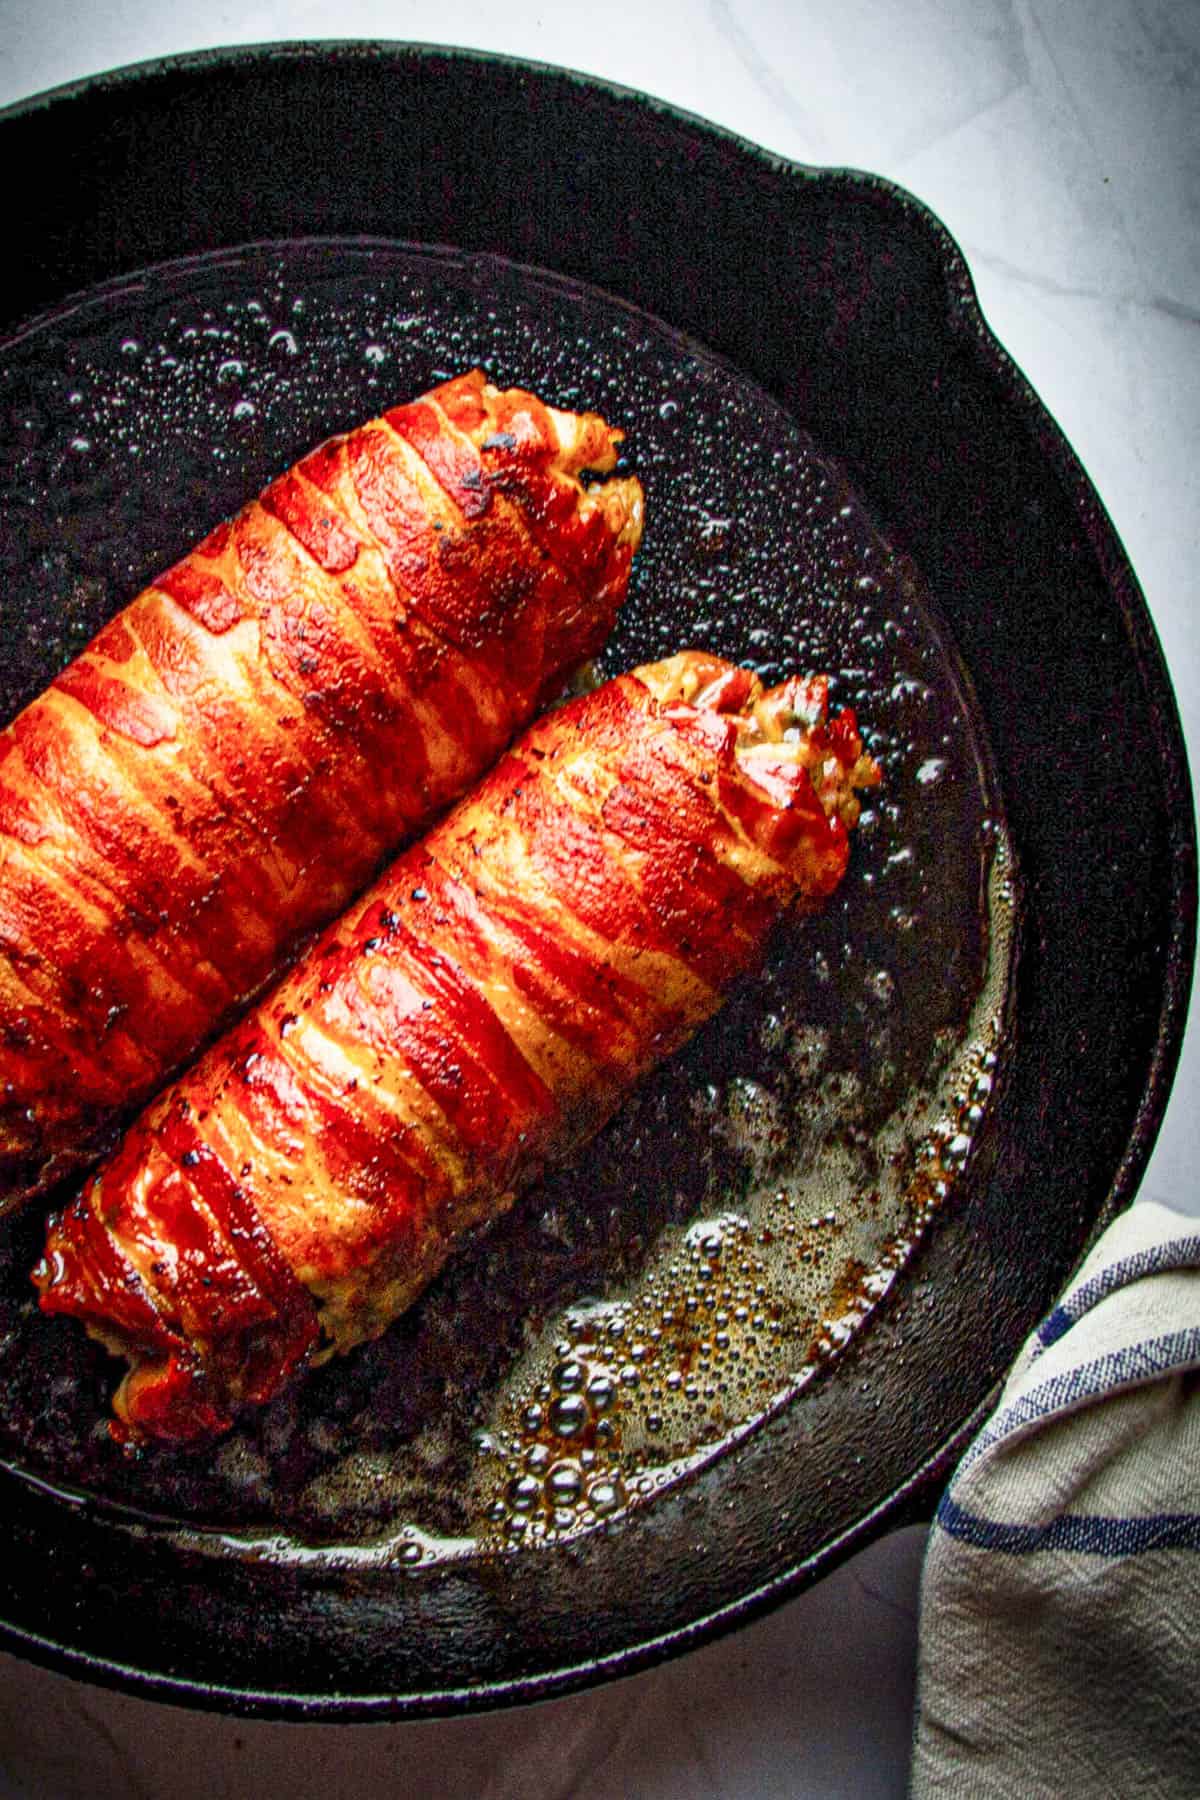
{"x": 227, "y": 762}
{"x": 474, "y": 1017}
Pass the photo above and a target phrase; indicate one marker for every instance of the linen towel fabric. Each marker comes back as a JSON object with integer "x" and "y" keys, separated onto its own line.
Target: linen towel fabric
{"x": 1060, "y": 1596}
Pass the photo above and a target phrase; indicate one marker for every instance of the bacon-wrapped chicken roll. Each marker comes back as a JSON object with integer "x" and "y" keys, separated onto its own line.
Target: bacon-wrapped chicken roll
{"x": 476, "y": 1016}
{"x": 226, "y": 763}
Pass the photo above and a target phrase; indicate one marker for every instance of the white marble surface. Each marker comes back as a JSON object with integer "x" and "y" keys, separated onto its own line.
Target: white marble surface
{"x": 1059, "y": 141}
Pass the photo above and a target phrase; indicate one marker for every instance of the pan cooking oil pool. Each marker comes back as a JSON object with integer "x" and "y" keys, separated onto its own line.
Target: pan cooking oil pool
{"x": 741, "y": 1221}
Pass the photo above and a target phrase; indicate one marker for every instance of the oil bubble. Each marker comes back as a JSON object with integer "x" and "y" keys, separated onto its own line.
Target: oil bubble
{"x": 605, "y": 1495}
{"x": 564, "y": 1483}
{"x": 523, "y": 1492}
{"x": 600, "y": 1393}
{"x": 568, "y": 1415}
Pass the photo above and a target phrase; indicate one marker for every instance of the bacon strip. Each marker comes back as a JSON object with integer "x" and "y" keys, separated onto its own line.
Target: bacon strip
{"x": 227, "y": 762}
{"x": 474, "y": 1017}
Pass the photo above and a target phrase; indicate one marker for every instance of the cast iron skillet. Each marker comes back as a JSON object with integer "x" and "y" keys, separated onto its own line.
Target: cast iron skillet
{"x": 901, "y": 381}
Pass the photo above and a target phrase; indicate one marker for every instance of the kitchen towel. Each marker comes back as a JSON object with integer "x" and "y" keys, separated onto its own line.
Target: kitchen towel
{"x": 1060, "y": 1596}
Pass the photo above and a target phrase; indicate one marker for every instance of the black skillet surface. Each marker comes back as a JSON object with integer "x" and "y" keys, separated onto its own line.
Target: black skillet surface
{"x": 839, "y": 297}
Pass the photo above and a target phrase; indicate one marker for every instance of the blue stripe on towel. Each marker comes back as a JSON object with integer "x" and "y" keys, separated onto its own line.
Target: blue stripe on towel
{"x": 1085, "y": 1535}
{"x": 1127, "y": 1367}
{"x": 1180, "y": 1253}
{"x": 1053, "y": 1326}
